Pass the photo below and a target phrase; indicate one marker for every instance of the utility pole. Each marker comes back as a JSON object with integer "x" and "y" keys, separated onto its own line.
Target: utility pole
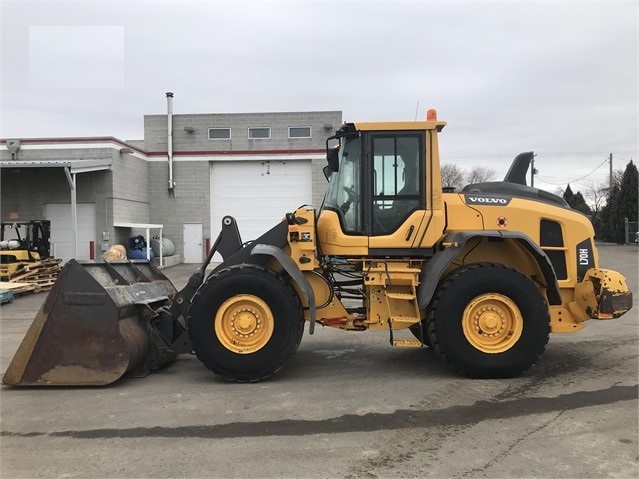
{"x": 532, "y": 171}
{"x": 610, "y": 181}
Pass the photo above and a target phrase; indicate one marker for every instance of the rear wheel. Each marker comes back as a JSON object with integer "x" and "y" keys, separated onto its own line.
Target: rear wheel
{"x": 488, "y": 321}
{"x": 245, "y": 322}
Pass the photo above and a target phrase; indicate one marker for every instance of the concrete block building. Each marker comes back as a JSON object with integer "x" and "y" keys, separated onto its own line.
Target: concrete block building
{"x": 188, "y": 172}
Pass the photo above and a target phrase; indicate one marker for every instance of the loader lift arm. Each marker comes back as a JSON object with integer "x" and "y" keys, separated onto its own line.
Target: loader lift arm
{"x": 227, "y": 244}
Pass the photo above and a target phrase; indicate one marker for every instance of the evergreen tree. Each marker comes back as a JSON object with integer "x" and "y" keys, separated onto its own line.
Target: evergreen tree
{"x": 576, "y": 201}
{"x": 607, "y": 233}
{"x": 579, "y": 204}
{"x": 622, "y": 204}
{"x": 628, "y": 197}
{"x": 569, "y": 195}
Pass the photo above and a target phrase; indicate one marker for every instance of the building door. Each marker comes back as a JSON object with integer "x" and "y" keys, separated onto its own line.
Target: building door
{"x": 257, "y": 193}
{"x": 61, "y": 229}
{"x": 193, "y": 243}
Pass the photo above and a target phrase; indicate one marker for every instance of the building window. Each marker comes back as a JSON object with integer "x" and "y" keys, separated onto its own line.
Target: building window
{"x": 299, "y": 131}
{"x": 219, "y": 133}
{"x": 259, "y": 133}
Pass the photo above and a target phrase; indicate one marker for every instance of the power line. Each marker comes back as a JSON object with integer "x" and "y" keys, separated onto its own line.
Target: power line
{"x": 540, "y": 154}
{"x": 482, "y": 158}
{"x": 578, "y": 179}
{"x": 550, "y": 182}
{"x": 621, "y": 158}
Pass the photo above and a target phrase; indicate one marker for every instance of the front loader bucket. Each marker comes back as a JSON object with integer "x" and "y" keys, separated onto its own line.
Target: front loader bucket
{"x": 98, "y": 322}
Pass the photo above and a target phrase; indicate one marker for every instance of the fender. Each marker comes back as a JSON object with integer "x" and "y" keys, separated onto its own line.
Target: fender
{"x": 276, "y": 236}
{"x": 294, "y": 272}
{"x": 432, "y": 271}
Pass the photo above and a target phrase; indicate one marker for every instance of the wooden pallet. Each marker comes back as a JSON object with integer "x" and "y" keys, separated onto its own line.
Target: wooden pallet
{"x": 39, "y": 276}
{"x": 18, "y": 288}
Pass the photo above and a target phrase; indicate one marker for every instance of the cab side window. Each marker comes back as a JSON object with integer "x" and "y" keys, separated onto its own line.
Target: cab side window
{"x": 397, "y": 188}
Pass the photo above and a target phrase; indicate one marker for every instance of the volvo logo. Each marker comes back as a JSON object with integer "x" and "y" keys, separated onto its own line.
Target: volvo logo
{"x": 486, "y": 200}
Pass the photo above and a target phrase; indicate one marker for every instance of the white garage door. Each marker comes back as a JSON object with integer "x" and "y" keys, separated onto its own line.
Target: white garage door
{"x": 61, "y": 229}
{"x": 257, "y": 193}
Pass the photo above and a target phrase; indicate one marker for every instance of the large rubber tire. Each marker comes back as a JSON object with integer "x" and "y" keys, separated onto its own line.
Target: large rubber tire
{"x": 245, "y": 322}
{"x": 488, "y": 321}
{"x": 418, "y": 335}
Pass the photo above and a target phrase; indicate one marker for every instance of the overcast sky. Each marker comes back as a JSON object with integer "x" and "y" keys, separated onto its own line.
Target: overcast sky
{"x": 558, "y": 78}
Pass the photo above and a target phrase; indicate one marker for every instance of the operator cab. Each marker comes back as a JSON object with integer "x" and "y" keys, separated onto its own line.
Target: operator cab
{"x": 375, "y": 179}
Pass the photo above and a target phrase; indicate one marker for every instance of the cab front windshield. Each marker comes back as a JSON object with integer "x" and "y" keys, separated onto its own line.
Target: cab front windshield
{"x": 343, "y": 194}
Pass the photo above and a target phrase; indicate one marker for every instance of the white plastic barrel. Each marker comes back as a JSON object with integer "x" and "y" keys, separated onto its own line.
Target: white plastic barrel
{"x": 168, "y": 249}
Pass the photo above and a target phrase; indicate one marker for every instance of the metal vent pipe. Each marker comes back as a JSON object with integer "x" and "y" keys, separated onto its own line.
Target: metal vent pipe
{"x": 169, "y": 108}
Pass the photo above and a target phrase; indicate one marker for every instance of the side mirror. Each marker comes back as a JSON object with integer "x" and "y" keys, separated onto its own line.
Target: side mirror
{"x": 327, "y": 172}
{"x": 332, "y": 158}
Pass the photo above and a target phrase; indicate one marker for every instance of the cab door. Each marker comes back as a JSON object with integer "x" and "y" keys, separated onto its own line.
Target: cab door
{"x": 397, "y": 191}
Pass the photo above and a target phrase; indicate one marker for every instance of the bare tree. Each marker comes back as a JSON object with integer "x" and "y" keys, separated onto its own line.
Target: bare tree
{"x": 479, "y": 174}
{"x": 617, "y": 176}
{"x": 452, "y": 176}
{"x": 595, "y": 196}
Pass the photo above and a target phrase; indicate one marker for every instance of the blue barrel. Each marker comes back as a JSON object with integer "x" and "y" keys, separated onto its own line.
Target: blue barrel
{"x": 140, "y": 253}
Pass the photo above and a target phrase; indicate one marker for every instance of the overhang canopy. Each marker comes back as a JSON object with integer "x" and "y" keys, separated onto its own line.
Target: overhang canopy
{"x": 124, "y": 224}
{"x": 71, "y": 168}
{"x": 74, "y": 166}
{"x": 147, "y": 227}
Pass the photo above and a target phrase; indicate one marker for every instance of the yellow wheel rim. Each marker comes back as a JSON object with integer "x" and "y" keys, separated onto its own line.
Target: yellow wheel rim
{"x": 244, "y": 324}
{"x": 492, "y": 323}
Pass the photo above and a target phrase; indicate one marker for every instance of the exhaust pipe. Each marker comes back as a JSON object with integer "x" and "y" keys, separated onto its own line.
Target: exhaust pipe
{"x": 169, "y": 108}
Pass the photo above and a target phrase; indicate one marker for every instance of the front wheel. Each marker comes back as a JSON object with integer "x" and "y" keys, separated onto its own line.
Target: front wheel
{"x": 421, "y": 333}
{"x": 245, "y": 322}
{"x": 488, "y": 321}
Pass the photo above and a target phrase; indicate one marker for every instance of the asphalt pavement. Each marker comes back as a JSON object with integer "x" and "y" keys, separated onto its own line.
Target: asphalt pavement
{"x": 346, "y": 405}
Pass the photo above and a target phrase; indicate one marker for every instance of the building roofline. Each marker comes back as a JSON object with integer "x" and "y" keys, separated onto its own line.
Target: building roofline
{"x": 74, "y": 139}
{"x": 237, "y": 152}
{"x": 251, "y": 113}
{"x": 149, "y": 154}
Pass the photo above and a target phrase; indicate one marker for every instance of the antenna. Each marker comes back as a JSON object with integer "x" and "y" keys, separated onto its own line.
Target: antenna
{"x": 416, "y": 110}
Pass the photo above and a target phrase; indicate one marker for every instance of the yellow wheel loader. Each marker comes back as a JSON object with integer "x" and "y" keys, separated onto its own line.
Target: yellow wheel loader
{"x": 482, "y": 276}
